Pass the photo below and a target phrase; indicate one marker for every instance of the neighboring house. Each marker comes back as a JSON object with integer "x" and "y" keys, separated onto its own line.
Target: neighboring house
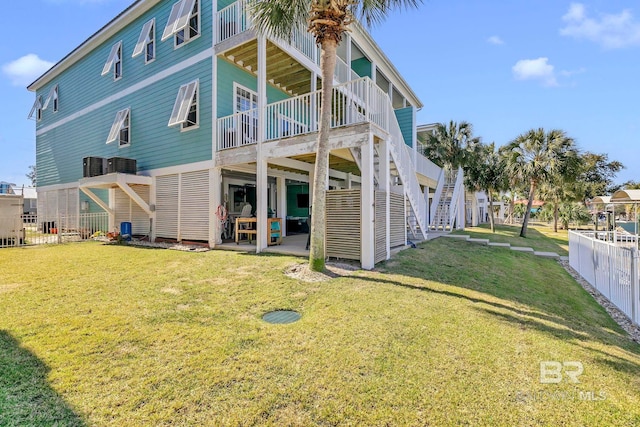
{"x": 193, "y": 114}
{"x": 29, "y": 196}
{"x": 6, "y": 187}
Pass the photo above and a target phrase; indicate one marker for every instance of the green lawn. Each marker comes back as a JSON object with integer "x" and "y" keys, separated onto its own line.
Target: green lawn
{"x": 539, "y": 237}
{"x": 450, "y": 333}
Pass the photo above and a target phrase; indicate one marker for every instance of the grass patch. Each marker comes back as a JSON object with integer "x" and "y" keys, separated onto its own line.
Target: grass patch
{"x": 539, "y": 237}
{"x": 450, "y": 333}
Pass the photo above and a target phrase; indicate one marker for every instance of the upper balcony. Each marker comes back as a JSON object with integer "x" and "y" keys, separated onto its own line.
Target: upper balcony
{"x": 235, "y": 20}
{"x": 355, "y": 102}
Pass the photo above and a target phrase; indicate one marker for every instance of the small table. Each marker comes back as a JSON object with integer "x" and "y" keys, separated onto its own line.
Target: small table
{"x": 251, "y": 231}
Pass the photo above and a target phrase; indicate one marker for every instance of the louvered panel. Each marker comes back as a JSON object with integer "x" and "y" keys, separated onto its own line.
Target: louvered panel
{"x": 62, "y": 202}
{"x": 73, "y": 201}
{"x": 194, "y": 206}
{"x": 139, "y": 218}
{"x": 397, "y": 227}
{"x": 42, "y": 213}
{"x": 343, "y": 227}
{"x": 52, "y": 205}
{"x": 167, "y": 206}
{"x": 72, "y": 208}
{"x": 122, "y": 208}
{"x": 381, "y": 226}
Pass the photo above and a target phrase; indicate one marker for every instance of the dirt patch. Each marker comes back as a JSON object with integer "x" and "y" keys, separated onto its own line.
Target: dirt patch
{"x": 332, "y": 270}
{"x": 172, "y": 291}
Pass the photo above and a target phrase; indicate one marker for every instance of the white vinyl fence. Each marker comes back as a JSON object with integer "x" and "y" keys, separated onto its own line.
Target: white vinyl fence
{"x": 610, "y": 265}
{"x": 27, "y": 230}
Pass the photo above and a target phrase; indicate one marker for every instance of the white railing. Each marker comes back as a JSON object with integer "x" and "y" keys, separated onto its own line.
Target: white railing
{"x": 458, "y": 191}
{"x": 343, "y": 72}
{"x": 236, "y": 19}
{"x": 293, "y": 117}
{"x": 302, "y": 40}
{"x": 609, "y": 267}
{"x": 233, "y": 19}
{"x": 437, "y": 195}
{"x": 38, "y": 230}
{"x": 353, "y": 102}
{"x": 238, "y": 129}
{"x": 357, "y": 101}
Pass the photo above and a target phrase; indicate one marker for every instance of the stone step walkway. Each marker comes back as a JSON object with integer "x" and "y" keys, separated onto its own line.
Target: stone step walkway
{"x": 487, "y": 242}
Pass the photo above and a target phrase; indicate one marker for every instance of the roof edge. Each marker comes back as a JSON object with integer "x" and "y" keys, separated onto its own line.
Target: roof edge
{"x": 132, "y": 12}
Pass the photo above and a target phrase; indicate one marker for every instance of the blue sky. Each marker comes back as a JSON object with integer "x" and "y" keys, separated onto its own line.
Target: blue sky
{"x": 504, "y": 66}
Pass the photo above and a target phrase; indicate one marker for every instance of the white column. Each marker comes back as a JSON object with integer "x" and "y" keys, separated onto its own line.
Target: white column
{"x": 474, "y": 211}
{"x": 262, "y": 185}
{"x": 311, "y": 176}
{"x": 367, "y": 232}
{"x": 425, "y": 195}
{"x": 373, "y": 71}
{"x": 384, "y": 184}
{"x": 348, "y": 180}
{"x": 215, "y": 199}
{"x": 347, "y": 40}
{"x": 281, "y": 204}
{"x": 262, "y": 190}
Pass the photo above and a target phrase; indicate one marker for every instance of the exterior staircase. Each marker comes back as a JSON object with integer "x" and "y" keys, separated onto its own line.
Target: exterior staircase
{"x": 444, "y": 209}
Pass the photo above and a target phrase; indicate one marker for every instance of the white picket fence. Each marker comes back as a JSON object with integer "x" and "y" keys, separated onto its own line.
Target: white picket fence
{"x": 610, "y": 265}
{"x": 25, "y": 230}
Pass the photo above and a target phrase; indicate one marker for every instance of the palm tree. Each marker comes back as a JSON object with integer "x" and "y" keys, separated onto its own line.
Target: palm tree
{"x": 537, "y": 157}
{"x": 449, "y": 145}
{"x": 327, "y": 21}
{"x": 485, "y": 171}
{"x": 559, "y": 190}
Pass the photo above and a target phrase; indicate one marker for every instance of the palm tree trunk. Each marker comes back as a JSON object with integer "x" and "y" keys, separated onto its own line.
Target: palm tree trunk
{"x": 555, "y": 216}
{"x": 527, "y": 213}
{"x": 317, "y": 247}
{"x": 491, "y": 220}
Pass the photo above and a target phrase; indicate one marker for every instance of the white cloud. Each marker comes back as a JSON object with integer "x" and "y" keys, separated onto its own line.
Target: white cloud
{"x": 495, "y": 40}
{"x": 569, "y": 73}
{"x": 26, "y": 69}
{"x": 611, "y": 31}
{"x": 535, "y": 69}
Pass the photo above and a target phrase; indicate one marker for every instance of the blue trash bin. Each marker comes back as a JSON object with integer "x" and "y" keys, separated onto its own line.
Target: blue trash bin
{"x": 125, "y": 230}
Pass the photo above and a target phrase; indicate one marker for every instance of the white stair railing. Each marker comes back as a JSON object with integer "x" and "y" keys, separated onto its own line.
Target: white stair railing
{"x": 458, "y": 191}
{"x": 436, "y": 197}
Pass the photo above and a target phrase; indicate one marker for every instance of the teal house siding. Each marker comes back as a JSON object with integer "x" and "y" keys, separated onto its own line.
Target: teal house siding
{"x": 102, "y": 194}
{"x": 59, "y": 151}
{"x": 82, "y": 85}
{"x": 229, "y": 74}
{"x": 362, "y": 67}
{"x": 405, "y": 120}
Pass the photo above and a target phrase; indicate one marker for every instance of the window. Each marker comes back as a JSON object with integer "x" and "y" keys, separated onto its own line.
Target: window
{"x": 52, "y": 98}
{"x": 114, "y": 61}
{"x": 185, "y": 109}
{"x": 184, "y": 22}
{"x": 36, "y": 109}
{"x": 247, "y": 100}
{"x": 146, "y": 42}
{"x": 120, "y": 130}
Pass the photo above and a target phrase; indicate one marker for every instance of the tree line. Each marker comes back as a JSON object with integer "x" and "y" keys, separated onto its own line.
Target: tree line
{"x": 538, "y": 163}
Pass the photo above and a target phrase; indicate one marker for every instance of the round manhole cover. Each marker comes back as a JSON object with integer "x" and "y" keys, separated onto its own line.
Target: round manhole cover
{"x": 281, "y": 316}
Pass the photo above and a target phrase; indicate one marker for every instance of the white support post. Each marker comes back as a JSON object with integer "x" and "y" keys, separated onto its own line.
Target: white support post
{"x": 348, "y": 181}
{"x": 425, "y": 195}
{"x": 315, "y": 112}
{"x": 261, "y": 201}
{"x": 384, "y": 184}
{"x": 112, "y": 208}
{"x": 281, "y": 205}
{"x": 367, "y": 232}
{"x": 373, "y": 72}
{"x": 262, "y": 183}
{"x": 635, "y": 287}
{"x": 215, "y": 200}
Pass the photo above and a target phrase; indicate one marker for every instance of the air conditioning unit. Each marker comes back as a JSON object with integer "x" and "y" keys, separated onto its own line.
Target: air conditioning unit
{"x": 121, "y": 165}
{"x": 93, "y": 166}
